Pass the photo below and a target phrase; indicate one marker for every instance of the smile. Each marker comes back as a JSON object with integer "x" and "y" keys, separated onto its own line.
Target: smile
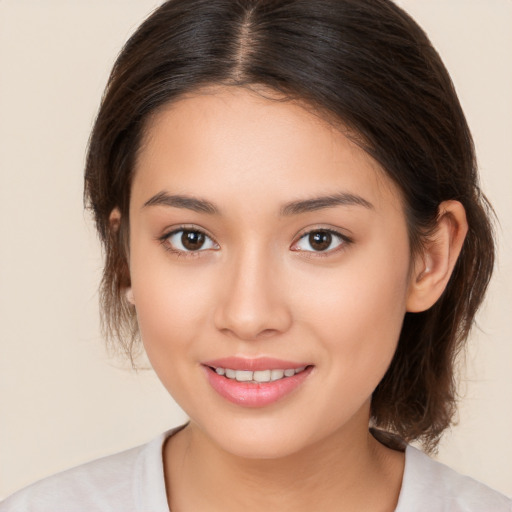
{"x": 255, "y": 382}
{"x": 258, "y": 376}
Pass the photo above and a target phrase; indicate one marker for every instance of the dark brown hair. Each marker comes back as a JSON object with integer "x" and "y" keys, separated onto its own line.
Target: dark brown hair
{"x": 365, "y": 63}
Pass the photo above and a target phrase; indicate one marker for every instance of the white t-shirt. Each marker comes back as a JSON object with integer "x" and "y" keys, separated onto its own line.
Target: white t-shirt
{"x": 133, "y": 481}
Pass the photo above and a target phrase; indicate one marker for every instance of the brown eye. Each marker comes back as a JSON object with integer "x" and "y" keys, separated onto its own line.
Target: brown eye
{"x": 320, "y": 240}
{"x": 192, "y": 240}
{"x": 189, "y": 240}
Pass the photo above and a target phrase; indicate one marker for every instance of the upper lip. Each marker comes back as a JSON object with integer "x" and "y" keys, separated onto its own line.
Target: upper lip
{"x": 254, "y": 364}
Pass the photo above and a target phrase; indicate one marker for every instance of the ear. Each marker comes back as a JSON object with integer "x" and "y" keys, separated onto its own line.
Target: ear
{"x": 115, "y": 225}
{"x": 114, "y": 220}
{"x": 129, "y": 295}
{"x": 434, "y": 265}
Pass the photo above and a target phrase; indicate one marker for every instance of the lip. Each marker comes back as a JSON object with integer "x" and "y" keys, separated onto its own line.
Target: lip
{"x": 254, "y": 364}
{"x": 250, "y": 394}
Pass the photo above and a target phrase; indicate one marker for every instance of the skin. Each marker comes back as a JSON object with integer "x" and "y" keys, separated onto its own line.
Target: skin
{"x": 258, "y": 288}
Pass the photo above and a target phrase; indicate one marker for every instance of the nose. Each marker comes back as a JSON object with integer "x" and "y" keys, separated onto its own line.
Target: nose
{"x": 252, "y": 300}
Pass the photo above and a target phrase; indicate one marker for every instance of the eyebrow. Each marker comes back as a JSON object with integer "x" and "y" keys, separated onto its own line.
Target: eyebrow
{"x": 293, "y": 208}
{"x": 319, "y": 203}
{"x": 181, "y": 201}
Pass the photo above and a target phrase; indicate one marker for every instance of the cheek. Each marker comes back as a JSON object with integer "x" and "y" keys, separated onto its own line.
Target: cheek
{"x": 171, "y": 301}
{"x": 359, "y": 314}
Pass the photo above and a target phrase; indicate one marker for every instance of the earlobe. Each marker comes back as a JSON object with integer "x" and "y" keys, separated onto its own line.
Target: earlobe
{"x": 115, "y": 219}
{"x": 122, "y": 251}
{"x": 434, "y": 265}
{"x": 129, "y": 295}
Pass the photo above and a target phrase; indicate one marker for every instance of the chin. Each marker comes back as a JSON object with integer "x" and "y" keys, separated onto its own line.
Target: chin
{"x": 262, "y": 447}
{"x": 262, "y": 438}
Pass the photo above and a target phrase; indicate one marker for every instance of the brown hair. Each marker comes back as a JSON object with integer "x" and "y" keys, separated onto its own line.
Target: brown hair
{"x": 364, "y": 62}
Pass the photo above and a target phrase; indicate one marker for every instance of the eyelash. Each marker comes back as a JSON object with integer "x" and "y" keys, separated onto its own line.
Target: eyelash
{"x": 343, "y": 239}
{"x": 164, "y": 240}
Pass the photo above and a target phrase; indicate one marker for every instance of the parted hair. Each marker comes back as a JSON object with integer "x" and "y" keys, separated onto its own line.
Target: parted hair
{"x": 365, "y": 63}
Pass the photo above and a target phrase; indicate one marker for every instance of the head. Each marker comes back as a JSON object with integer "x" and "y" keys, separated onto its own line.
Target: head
{"x": 362, "y": 67}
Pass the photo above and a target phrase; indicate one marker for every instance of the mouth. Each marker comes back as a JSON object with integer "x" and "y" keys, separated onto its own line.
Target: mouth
{"x": 257, "y": 376}
{"x": 255, "y": 382}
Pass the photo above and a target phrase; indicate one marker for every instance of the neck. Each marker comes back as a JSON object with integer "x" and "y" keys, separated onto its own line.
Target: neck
{"x": 349, "y": 470}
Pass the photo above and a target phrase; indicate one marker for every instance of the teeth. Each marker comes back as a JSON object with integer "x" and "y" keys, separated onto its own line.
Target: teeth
{"x": 261, "y": 376}
{"x": 276, "y": 374}
{"x": 243, "y": 375}
{"x": 258, "y": 375}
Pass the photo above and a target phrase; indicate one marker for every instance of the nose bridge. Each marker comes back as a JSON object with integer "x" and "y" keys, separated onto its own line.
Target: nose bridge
{"x": 253, "y": 302}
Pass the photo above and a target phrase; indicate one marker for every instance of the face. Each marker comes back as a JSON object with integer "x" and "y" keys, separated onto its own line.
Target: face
{"x": 270, "y": 265}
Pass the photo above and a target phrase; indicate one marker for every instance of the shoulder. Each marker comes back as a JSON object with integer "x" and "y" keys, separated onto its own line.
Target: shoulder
{"x": 123, "y": 481}
{"x": 429, "y": 485}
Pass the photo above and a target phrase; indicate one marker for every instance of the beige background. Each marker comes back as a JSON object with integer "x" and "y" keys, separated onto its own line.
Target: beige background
{"x": 62, "y": 401}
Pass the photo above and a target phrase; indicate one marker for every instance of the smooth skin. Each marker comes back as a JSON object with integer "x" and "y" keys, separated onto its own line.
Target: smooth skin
{"x": 254, "y": 282}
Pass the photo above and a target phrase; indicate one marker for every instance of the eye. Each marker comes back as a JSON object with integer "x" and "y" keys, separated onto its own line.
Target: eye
{"x": 320, "y": 240}
{"x": 189, "y": 240}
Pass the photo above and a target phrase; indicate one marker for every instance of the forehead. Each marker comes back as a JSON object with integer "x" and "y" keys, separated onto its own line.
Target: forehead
{"x": 259, "y": 145}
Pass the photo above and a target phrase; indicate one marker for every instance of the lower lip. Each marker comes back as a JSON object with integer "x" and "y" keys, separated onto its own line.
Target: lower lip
{"x": 249, "y": 394}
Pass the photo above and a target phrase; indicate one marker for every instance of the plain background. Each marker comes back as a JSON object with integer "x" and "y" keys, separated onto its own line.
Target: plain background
{"x": 62, "y": 400}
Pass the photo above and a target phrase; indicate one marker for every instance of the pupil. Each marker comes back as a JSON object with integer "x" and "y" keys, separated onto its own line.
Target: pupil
{"x": 320, "y": 240}
{"x": 192, "y": 240}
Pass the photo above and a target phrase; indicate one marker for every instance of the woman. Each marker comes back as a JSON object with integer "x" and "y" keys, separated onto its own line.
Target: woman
{"x": 287, "y": 196}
